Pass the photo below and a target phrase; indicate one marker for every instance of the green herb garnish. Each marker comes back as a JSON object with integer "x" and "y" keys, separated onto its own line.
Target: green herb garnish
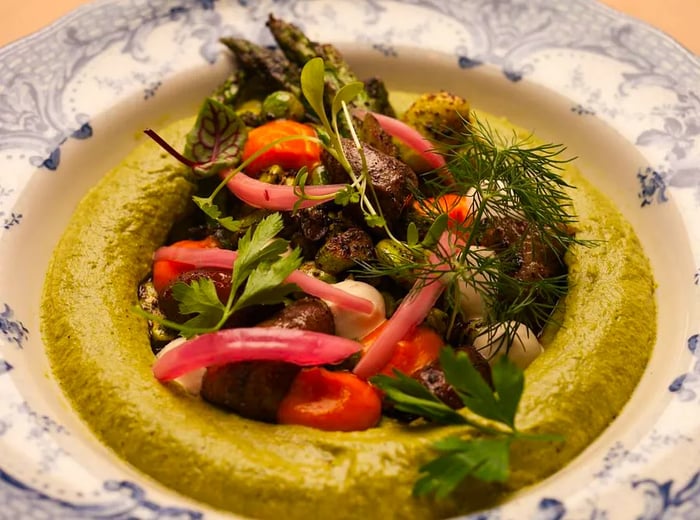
{"x": 360, "y": 189}
{"x": 262, "y": 265}
{"x": 216, "y": 140}
{"x": 213, "y": 144}
{"x": 493, "y": 411}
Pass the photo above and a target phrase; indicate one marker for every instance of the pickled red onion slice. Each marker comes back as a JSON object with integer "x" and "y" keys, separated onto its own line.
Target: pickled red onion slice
{"x": 224, "y": 259}
{"x": 300, "y": 347}
{"x": 275, "y": 196}
{"x": 411, "y": 312}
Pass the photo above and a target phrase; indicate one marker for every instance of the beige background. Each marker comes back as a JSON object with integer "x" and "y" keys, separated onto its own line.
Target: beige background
{"x": 679, "y": 18}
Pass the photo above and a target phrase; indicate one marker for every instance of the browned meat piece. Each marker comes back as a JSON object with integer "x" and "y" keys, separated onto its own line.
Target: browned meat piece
{"x": 534, "y": 259}
{"x": 342, "y": 250}
{"x": 305, "y": 314}
{"x": 392, "y": 179}
{"x": 310, "y": 223}
{"x": 374, "y": 135}
{"x": 433, "y": 377}
{"x": 254, "y": 389}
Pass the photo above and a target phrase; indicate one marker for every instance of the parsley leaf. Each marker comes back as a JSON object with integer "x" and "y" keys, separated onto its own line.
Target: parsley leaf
{"x": 262, "y": 264}
{"x": 261, "y": 246}
{"x": 475, "y": 392}
{"x": 265, "y": 284}
{"x": 509, "y": 382}
{"x": 487, "y": 457}
{"x": 199, "y": 297}
{"x": 408, "y": 395}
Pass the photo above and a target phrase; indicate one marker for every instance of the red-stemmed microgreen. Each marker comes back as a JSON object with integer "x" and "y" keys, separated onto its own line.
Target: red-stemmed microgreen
{"x": 213, "y": 144}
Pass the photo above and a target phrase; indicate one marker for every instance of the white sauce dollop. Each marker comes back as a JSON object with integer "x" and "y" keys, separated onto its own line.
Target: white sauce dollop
{"x": 191, "y": 381}
{"x": 471, "y": 303}
{"x": 522, "y": 351}
{"x": 353, "y": 324}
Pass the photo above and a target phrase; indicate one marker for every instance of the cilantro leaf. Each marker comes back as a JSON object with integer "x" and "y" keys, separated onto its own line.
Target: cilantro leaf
{"x": 214, "y": 212}
{"x": 216, "y": 139}
{"x": 208, "y": 207}
{"x": 375, "y": 220}
{"x": 408, "y": 395}
{"x": 485, "y": 459}
{"x": 231, "y": 224}
{"x": 199, "y": 297}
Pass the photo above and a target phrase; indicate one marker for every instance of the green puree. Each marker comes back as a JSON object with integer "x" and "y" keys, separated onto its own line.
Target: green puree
{"x": 100, "y": 354}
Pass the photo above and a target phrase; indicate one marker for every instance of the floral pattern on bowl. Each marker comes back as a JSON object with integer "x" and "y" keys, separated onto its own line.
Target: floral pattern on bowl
{"x": 54, "y": 83}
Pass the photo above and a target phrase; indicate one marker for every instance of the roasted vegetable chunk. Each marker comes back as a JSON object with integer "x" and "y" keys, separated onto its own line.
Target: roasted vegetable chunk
{"x": 343, "y": 250}
{"x": 392, "y": 180}
{"x": 305, "y": 314}
{"x": 439, "y": 116}
{"x": 254, "y": 389}
{"x": 282, "y": 104}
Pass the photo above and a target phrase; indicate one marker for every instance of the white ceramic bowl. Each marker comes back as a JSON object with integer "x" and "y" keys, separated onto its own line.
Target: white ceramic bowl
{"x": 617, "y": 93}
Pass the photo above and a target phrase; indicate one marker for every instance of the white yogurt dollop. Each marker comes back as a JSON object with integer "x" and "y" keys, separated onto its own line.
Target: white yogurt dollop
{"x": 522, "y": 351}
{"x": 352, "y": 324}
{"x": 471, "y": 301}
{"x": 191, "y": 381}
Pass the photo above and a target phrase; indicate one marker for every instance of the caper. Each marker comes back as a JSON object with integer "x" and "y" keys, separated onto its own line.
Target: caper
{"x": 272, "y": 174}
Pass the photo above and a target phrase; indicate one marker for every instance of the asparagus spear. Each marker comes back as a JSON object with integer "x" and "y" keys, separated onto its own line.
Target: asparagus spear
{"x": 228, "y": 92}
{"x": 299, "y": 49}
{"x": 271, "y": 66}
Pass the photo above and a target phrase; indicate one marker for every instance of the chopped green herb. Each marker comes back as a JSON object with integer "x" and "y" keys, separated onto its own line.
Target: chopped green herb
{"x": 262, "y": 265}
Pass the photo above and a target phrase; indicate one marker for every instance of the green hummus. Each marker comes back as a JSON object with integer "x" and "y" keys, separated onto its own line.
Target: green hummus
{"x": 100, "y": 353}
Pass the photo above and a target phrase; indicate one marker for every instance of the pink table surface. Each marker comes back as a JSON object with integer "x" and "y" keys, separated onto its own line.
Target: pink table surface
{"x": 679, "y": 18}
